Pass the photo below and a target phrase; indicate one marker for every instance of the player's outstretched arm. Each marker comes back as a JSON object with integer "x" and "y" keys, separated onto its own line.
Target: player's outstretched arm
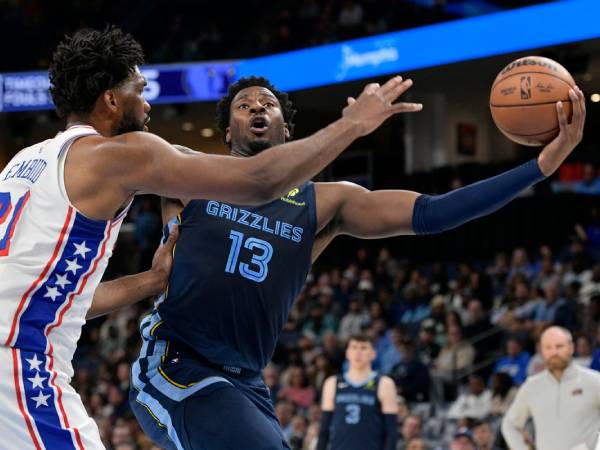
{"x": 351, "y": 209}
{"x": 113, "y": 295}
{"x": 145, "y": 162}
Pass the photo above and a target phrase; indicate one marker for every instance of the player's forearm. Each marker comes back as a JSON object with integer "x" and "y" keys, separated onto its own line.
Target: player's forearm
{"x": 434, "y": 214}
{"x": 287, "y": 166}
{"x": 113, "y": 295}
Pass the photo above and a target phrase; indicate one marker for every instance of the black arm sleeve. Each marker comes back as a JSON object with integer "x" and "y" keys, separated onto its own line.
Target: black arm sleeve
{"x": 326, "y": 417}
{"x": 390, "y": 422}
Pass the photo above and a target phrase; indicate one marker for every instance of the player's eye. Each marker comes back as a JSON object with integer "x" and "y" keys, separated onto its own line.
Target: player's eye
{"x": 243, "y": 106}
{"x": 269, "y": 105}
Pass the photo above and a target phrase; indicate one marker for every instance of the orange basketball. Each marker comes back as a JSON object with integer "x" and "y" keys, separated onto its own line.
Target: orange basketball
{"x": 523, "y": 99}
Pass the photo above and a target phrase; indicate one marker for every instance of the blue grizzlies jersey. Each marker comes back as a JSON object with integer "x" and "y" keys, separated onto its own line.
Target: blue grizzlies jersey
{"x": 357, "y": 419}
{"x": 236, "y": 273}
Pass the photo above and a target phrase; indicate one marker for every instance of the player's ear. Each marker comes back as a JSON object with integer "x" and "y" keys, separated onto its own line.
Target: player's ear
{"x": 286, "y": 131}
{"x": 228, "y": 135}
{"x": 110, "y": 100}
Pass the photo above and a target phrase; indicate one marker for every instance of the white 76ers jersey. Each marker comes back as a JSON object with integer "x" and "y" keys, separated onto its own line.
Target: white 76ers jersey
{"x": 52, "y": 257}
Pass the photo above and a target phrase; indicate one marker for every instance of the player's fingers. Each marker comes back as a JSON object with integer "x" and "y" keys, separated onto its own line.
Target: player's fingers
{"x": 576, "y": 106}
{"x": 398, "y": 90}
{"x": 173, "y": 235}
{"x": 405, "y": 107}
{"x": 390, "y": 84}
{"x": 370, "y": 88}
{"x": 350, "y": 100}
{"x": 562, "y": 117}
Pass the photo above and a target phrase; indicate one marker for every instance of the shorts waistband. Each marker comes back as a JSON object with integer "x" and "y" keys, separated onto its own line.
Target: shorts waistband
{"x": 178, "y": 350}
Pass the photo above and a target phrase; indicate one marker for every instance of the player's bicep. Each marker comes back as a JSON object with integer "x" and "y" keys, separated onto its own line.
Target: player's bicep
{"x": 148, "y": 163}
{"x": 328, "y": 396}
{"x": 376, "y": 214}
{"x": 388, "y": 396}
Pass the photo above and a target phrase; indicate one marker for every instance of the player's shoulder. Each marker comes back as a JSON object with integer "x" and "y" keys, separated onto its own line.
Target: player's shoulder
{"x": 386, "y": 383}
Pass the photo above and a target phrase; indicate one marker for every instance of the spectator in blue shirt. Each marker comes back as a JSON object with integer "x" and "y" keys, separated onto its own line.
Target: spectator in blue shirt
{"x": 515, "y": 362}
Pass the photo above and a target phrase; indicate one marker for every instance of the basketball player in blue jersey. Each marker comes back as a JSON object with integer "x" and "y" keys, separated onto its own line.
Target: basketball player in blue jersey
{"x": 237, "y": 270}
{"x": 359, "y": 408}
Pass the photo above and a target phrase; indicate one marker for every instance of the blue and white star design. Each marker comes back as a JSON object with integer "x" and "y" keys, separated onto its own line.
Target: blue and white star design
{"x": 34, "y": 363}
{"x": 81, "y": 249}
{"x": 52, "y": 292}
{"x": 72, "y": 265}
{"x": 61, "y": 280}
{"x": 41, "y": 399}
{"x": 37, "y": 381}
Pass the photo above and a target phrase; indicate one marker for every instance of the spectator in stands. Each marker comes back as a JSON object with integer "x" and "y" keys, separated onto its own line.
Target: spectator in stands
{"x": 484, "y": 436}
{"x": 284, "y": 411}
{"x": 319, "y": 322}
{"x": 463, "y": 440}
{"x": 456, "y": 355}
{"x": 545, "y": 313}
{"x": 503, "y": 393}
{"x": 298, "y": 391}
{"x": 416, "y": 444}
{"x": 299, "y": 428}
{"x": 427, "y": 348}
{"x": 271, "y": 379}
{"x": 475, "y": 403}
{"x": 583, "y": 351}
{"x": 520, "y": 264}
{"x": 410, "y": 374}
{"x": 514, "y": 362}
{"x": 353, "y": 321}
{"x": 412, "y": 428}
{"x": 536, "y": 362}
{"x": 590, "y": 184}
{"x": 393, "y": 354}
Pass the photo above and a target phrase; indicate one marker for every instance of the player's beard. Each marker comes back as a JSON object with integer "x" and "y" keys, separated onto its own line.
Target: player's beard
{"x": 252, "y": 147}
{"x": 129, "y": 123}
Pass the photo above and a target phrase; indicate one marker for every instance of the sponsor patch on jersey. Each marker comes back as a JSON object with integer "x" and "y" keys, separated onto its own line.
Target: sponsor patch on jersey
{"x": 289, "y": 198}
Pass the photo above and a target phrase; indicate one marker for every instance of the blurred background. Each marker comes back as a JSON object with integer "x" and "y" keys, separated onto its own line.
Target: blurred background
{"x": 464, "y": 307}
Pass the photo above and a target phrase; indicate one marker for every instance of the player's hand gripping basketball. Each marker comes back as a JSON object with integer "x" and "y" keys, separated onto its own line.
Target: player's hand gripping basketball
{"x": 569, "y": 136}
{"x": 376, "y": 103}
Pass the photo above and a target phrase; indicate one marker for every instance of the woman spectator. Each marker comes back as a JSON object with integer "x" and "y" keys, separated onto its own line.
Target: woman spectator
{"x": 298, "y": 391}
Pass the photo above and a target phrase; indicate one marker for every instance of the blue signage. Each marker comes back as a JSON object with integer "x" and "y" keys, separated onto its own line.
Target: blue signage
{"x": 460, "y": 40}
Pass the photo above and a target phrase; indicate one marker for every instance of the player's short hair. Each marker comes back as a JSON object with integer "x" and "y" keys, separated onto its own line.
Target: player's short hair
{"x": 89, "y": 62}
{"x": 361, "y": 337}
{"x": 224, "y": 105}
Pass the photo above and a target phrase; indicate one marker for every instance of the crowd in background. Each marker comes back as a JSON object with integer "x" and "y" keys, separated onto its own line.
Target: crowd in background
{"x": 180, "y": 30}
{"x": 457, "y": 337}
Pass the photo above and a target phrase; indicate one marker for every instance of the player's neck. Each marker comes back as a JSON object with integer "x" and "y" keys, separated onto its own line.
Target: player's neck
{"x": 89, "y": 120}
{"x": 357, "y": 375}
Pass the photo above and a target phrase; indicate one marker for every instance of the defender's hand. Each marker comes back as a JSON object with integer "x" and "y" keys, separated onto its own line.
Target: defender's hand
{"x": 163, "y": 260}
{"x": 569, "y": 136}
{"x": 375, "y": 104}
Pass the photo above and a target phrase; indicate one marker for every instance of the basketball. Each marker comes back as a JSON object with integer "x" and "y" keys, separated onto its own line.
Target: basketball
{"x": 523, "y": 99}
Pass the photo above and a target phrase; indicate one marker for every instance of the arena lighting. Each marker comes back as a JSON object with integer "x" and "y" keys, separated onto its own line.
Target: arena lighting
{"x": 526, "y": 28}
{"x": 595, "y": 98}
{"x": 207, "y": 132}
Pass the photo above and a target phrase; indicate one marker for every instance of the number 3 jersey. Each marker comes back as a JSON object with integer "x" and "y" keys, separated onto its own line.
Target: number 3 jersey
{"x": 357, "y": 419}
{"x": 236, "y": 273}
{"x": 51, "y": 256}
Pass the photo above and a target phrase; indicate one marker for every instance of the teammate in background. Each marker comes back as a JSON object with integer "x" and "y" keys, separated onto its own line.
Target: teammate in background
{"x": 359, "y": 408}
{"x": 238, "y": 269}
{"x": 62, "y": 202}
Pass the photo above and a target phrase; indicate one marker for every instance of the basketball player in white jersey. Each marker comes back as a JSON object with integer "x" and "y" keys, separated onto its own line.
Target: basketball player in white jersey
{"x": 62, "y": 202}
